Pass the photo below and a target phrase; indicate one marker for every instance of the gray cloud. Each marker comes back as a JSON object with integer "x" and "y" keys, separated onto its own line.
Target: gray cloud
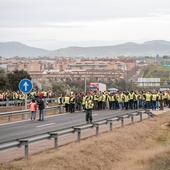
{"x": 60, "y": 23}
{"x": 38, "y": 12}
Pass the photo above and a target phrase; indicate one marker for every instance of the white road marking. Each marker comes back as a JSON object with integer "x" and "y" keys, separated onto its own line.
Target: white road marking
{"x": 95, "y": 114}
{"x": 49, "y": 124}
{"x": 28, "y": 120}
{"x": 10, "y": 123}
{"x": 61, "y": 114}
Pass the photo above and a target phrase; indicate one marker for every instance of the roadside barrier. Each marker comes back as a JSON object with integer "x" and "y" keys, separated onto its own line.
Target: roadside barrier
{"x": 57, "y": 109}
{"x": 22, "y": 102}
{"x": 75, "y": 129}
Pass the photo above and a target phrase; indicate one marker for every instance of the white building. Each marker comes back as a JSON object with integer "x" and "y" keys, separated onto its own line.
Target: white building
{"x": 148, "y": 82}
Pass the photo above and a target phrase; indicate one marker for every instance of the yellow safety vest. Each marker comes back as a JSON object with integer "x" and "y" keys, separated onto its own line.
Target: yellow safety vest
{"x": 131, "y": 96}
{"x": 148, "y": 96}
{"x": 100, "y": 98}
{"x": 89, "y": 104}
{"x": 67, "y": 100}
{"x": 119, "y": 99}
{"x": 168, "y": 96}
{"x": 154, "y": 96}
{"x": 104, "y": 98}
{"x": 126, "y": 98}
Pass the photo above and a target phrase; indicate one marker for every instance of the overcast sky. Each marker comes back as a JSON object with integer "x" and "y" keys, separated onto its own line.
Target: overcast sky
{"x": 52, "y": 24}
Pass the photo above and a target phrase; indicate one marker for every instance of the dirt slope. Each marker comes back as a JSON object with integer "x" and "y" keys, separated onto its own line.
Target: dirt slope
{"x": 142, "y": 146}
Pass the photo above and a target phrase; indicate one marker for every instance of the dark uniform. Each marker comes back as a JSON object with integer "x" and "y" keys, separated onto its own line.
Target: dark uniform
{"x": 41, "y": 106}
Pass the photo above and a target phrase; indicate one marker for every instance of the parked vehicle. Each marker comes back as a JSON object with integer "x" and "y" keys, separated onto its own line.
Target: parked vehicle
{"x": 97, "y": 87}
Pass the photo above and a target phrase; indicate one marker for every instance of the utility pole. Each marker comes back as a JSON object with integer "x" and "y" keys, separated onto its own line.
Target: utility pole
{"x": 85, "y": 84}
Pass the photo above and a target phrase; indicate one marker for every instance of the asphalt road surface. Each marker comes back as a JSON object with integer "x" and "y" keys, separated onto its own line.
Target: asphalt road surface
{"x": 13, "y": 131}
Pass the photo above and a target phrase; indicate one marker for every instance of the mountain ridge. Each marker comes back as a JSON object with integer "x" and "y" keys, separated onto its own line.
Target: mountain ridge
{"x": 14, "y": 48}
{"x": 149, "y": 48}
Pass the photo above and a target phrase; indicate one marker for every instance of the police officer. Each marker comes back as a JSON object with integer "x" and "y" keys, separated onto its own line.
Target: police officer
{"x": 89, "y": 107}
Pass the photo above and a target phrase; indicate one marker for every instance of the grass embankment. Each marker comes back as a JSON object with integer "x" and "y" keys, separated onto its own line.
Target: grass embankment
{"x": 142, "y": 146}
{"x": 156, "y": 71}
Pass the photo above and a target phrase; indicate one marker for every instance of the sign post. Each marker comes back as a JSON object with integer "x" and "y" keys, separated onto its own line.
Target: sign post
{"x": 25, "y": 101}
{"x": 25, "y": 87}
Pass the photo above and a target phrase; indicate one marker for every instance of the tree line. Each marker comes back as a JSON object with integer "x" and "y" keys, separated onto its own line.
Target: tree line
{"x": 10, "y": 80}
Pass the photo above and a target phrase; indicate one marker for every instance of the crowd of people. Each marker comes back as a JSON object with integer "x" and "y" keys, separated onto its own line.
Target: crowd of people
{"x": 17, "y": 95}
{"x": 118, "y": 100}
{"x": 94, "y": 100}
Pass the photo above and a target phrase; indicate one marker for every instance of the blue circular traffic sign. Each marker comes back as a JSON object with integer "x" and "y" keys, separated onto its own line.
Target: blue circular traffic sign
{"x": 25, "y": 86}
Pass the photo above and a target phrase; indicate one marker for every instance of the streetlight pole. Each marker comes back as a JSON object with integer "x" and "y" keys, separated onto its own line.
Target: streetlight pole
{"x": 85, "y": 84}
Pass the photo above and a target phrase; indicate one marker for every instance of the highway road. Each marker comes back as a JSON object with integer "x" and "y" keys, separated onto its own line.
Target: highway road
{"x": 13, "y": 131}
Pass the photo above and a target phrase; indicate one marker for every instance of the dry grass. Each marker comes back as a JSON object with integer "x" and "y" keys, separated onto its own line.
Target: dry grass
{"x": 142, "y": 146}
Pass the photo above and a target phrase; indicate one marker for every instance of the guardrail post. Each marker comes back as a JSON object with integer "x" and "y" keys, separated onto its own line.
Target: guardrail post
{"x": 111, "y": 126}
{"x": 97, "y": 130}
{"x": 56, "y": 142}
{"x": 140, "y": 113}
{"x": 78, "y": 135}
{"x": 55, "y": 136}
{"x": 122, "y": 121}
{"x": 132, "y": 118}
{"x": 26, "y": 148}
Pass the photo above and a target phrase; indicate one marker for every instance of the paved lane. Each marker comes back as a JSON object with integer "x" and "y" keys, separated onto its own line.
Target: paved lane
{"x": 29, "y": 128}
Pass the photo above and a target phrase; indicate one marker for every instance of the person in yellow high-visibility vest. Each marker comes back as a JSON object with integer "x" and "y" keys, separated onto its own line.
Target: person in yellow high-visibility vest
{"x": 126, "y": 100}
{"x": 160, "y": 99}
{"x": 148, "y": 100}
{"x": 120, "y": 100}
{"x": 154, "y": 98}
{"x": 95, "y": 100}
{"x": 89, "y": 107}
{"x": 72, "y": 103}
{"x": 131, "y": 100}
{"x": 100, "y": 98}
{"x": 67, "y": 103}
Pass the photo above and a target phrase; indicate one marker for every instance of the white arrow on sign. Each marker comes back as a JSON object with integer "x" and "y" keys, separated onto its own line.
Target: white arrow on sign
{"x": 25, "y": 85}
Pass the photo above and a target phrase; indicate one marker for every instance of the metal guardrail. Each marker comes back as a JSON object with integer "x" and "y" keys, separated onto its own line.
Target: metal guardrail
{"x": 77, "y": 128}
{"x": 21, "y": 102}
{"x": 11, "y": 102}
{"x": 58, "y": 108}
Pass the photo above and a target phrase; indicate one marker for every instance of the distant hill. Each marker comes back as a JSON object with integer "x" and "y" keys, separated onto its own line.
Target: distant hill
{"x": 149, "y": 48}
{"x": 128, "y": 49}
{"x": 10, "y": 49}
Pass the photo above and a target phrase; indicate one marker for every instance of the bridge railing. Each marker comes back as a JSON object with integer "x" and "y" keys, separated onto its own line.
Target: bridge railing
{"x": 74, "y": 129}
